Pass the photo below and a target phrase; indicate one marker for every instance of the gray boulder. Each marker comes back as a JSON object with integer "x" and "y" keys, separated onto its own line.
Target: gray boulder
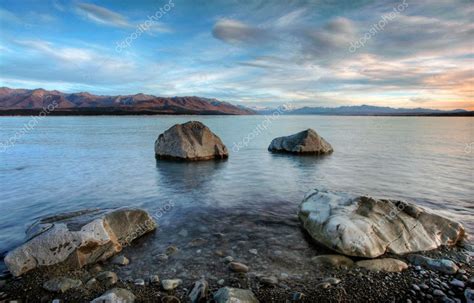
{"x": 368, "y": 227}
{"x": 234, "y": 295}
{"x": 305, "y": 142}
{"x": 78, "y": 238}
{"x": 190, "y": 141}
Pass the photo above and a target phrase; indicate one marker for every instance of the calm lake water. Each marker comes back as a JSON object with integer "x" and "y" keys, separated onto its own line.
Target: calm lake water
{"x": 72, "y": 163}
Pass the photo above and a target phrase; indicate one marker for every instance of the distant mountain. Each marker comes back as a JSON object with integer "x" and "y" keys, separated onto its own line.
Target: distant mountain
{"x": 25, "y": 102}
{"x": 368, "y": 110}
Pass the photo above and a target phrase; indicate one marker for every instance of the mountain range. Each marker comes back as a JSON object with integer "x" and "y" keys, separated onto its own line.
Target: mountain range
{"x": 32, "y": 101}
{"x": 368, "y": 110}
{"x": 26, "y": 101}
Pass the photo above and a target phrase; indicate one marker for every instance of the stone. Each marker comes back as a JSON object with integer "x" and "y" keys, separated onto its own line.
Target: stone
{"x": 469, "y": 295}
{"x": 91, "y": 283}
{"x": 199, "y": 293}
{"x": 108, "y": 278}
{"x": 170, "y": 284}
{"x": 385, "y": 265}
{"x": 238, "y": 267}
{"x": 332, "y": 281}
{"x": 297, "y": 296}
{"x": 438, "y": 293}
{"x": 228, "y": 259}
{"x": 78, "y": 238}
{"x": 154, "y": 279}
{"x": 337, "y": 261}
{"x": 171, "y": 250}
{"x": 367, "y": 227}
{"x": 116, "y": 295}
{"x": 305, "y": 142}
{"x": 61, "y": 284}
{"x": 162, "y": 257}
{"x": 457, "y": 283}
{"x": 442, "y": 265}
{"x": 323, "y": 285}
{"x": 120, "y": 260}
{"x": 269, "y": 280}
{"x": 197, "y": 242}
{"x": 234, "y": 295}
{"x": 415, "y": 287}
{"x": 190, "y": 141}
{"x": 221, "y": 282}
{"x": 253, "y": 251}
{"x": 139, "y": 282}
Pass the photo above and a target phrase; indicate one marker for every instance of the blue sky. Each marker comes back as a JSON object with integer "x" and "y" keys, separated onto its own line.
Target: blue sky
{"x": 258, "y": 53}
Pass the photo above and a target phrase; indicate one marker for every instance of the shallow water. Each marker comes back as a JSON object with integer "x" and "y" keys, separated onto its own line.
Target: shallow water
{"x": 71, "y": 163}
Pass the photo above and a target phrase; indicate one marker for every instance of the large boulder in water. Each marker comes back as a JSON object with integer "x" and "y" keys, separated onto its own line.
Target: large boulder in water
{"x": 78, "y": 238}
{"x": 190, "y": 141}
{"x": 305, "y": 142}
{"x": 368, "y": 227}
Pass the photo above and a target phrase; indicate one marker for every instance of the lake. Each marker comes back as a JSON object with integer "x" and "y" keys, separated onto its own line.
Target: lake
{"x": 71, "y": 163}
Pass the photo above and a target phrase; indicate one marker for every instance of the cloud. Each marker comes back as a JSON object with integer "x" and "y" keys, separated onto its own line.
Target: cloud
{"x": 333, "y": 37}
{"x": 102, "y": 15}
{"x": 420, "y": 99}
{"x": 236, "y": 32}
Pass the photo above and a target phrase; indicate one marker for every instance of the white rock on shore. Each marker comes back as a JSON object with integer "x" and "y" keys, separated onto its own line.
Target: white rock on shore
{"x": 190, "y": 141}
{"x": 367, "y": 227}
{"x": 78, "y": 238}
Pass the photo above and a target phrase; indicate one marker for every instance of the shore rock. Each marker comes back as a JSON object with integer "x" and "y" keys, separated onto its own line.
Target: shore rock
{"x": 78, "y": 238}
{"x": 116, "y": 295}
{"x": 305, "y": 142}
{"x": 386, "y": 265}
{"x": 234, "y": 295}
{"x": 442, "y": 265}
{"x": 190, "y": 141}
{"x": 61, "y": 284}
{"x": 238, "y": 267}
{"x": 337, "y": 261}
{"x": 170, "y": 284}
{"x": 199, "y": 292}
{"x": 368, "y": 227}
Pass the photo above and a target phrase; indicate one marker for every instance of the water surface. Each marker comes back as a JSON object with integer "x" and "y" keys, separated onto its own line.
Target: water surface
{"x": 71, "y": 163}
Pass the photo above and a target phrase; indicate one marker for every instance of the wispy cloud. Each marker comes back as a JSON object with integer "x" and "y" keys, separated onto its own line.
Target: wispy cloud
{"x": 102, "y": 15}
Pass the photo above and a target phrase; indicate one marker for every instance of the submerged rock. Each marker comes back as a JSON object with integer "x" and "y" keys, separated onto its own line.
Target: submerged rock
{"x": 441, "y": 265}
{"x": 61, "y": 284}
{"x": 78, "y": 238}
{"x": 116, "y": 295}
{"x": 386, "y": 265}
{"x": 337, "y": 261}
{"x": 234, "y": 295}
{"x": 190, "y": 141}
{"x": 305, "y": 142}
{"x": 368, "y": 227}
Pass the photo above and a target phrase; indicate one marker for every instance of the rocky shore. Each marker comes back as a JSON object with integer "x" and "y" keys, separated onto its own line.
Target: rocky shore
{"x": 217, "y": 261}
{"x": 335, "y": 247}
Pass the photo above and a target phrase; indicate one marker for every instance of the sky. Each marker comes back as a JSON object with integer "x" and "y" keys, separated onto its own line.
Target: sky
{"x": 258, "y": 53}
